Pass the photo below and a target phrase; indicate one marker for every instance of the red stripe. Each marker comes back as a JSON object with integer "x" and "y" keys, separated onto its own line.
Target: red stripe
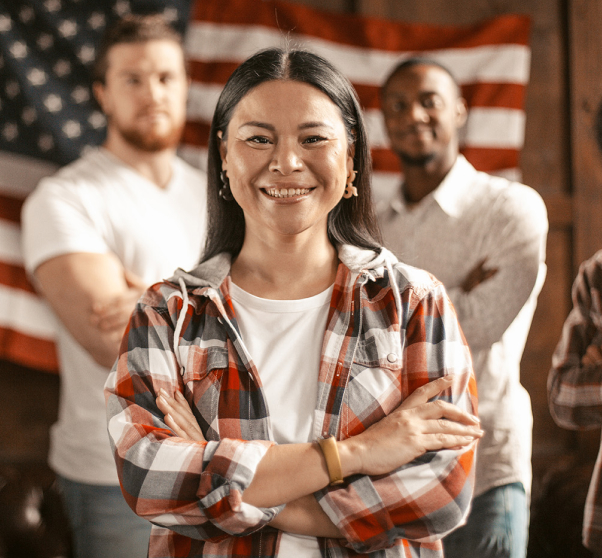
{"x": 495, "y": 95}
{"x": 39, "y": 354}
{"x": 483, "y": 159}
{"x": 10, "y": 208}
{"x": 14, "y": 276}
{"x": 360, "y": 30}
{"x": 196, "y": 134}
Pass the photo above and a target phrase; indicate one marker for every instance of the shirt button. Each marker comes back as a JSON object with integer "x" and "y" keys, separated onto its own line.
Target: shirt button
{"x": 391, "y": 357}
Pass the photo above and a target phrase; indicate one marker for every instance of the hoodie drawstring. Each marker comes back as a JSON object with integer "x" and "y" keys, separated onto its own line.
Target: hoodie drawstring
{"x": 393, "y": 283}
{"x": 180, "y": 323}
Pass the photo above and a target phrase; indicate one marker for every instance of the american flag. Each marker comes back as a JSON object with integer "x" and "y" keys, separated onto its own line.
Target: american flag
{"x": 47, "y": 116}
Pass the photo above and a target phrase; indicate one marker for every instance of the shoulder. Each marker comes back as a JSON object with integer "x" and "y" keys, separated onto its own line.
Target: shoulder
{"x": 511, "y": 196}
{"x": 412, "y": 278}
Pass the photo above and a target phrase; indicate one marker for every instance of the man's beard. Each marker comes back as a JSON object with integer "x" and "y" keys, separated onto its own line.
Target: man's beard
{"x": 152, "y": 142}
{"x": 420, "y": 161}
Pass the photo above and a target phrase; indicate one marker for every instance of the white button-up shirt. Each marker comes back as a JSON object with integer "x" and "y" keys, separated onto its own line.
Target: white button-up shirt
{"x": 471, "y": 216}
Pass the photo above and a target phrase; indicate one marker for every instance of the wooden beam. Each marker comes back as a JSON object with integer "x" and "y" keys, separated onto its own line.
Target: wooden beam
{"x": 585, "y": 61}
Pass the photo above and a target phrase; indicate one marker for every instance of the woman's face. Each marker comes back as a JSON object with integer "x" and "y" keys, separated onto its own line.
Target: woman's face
{"x": 287, "y": 158}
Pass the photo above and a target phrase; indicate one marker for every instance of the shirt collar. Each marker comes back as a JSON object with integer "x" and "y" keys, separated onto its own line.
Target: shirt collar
{"x": 451, "y": 194}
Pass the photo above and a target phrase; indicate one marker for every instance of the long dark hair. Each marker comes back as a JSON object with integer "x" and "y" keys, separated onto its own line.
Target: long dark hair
{"x": 352, "y": 221}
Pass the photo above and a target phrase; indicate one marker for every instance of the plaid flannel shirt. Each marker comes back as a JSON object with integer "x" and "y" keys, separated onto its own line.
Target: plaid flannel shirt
{"x": 390, "y": 329}
{"x": 575, "y": 390}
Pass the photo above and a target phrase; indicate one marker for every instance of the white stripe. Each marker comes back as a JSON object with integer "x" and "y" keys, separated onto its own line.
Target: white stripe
{"x": 19, "y": 174}
{"x": 27, "y": 313}
{"x": 10, "y": 243}
{"x": 495, "y": 127}
{"x": 193, "y": 155}
{"x": 211, "y": 42}
{"x": 486, "y": 126}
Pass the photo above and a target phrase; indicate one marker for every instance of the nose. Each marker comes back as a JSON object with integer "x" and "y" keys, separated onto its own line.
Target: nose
{"x": 286, "y": 158}
{"x": 417, "y": 113}
{"x": 152, "y": 90}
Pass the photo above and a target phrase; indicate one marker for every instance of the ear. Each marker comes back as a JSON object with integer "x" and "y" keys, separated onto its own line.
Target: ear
{"x": 461, "y": 112}
{"x": 222, "y": 149}
{"x": 98, "y": 89}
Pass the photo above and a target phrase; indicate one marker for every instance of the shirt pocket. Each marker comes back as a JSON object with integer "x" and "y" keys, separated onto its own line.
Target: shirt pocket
{"x": 375, "y": 381}
{"x": 202, "y": 380}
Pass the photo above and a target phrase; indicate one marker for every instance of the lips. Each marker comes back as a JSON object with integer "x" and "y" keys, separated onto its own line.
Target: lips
{"x": 286, "y": 192}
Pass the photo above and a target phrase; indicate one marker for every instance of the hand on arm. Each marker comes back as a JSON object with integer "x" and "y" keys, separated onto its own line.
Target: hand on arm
{"x": 478, "y": 275}
{"x": 592, "y": 356}
{"x": 291, "y": 472}
{"x": 74, "y": 284}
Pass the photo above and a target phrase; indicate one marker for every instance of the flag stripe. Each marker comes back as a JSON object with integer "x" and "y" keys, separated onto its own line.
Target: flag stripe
{"x": 30, "y": 351}
{"x": 210, "y": 42}
{"x": 27, "y": 313}
{"x": 10, "y": 208}
{"x": 353, "y": 30}
{"x": 15, "y": 276}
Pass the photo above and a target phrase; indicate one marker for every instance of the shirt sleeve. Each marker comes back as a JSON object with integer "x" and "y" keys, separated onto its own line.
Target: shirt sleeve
{"x": 515, "y": 246}
{"x": 56, "y": 219}
{"x": 192, "y": 488}
{"x": 574, "y": 392}
{"x": 427, "y": 498}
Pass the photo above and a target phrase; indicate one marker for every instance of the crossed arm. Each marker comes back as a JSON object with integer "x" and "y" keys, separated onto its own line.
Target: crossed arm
{"x": 290, "y": 474}
{"x": 93, "y": 296}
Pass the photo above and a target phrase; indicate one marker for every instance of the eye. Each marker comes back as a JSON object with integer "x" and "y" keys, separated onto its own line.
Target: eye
{"x": 166, "y": 78}
{"x": 314, "y": 139}
{"x": 259, "y": 140}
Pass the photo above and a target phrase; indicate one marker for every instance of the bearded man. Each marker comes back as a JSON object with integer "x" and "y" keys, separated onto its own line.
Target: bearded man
{"x": 95, "y": 235}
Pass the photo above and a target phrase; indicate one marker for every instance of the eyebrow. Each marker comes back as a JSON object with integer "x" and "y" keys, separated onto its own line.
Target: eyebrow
{"x": 267, "y": 126}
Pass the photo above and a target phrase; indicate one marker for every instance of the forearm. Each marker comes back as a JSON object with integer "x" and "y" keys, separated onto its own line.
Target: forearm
{"x": 305, "y": 517}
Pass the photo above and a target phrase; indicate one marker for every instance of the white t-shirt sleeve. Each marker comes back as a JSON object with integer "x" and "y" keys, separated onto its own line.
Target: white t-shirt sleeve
{"x": 56, "y": 220}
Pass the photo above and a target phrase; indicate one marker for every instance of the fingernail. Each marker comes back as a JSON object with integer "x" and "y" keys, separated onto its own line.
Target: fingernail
{"x": 163, "y": 393}
{"x": 179, "y": 395}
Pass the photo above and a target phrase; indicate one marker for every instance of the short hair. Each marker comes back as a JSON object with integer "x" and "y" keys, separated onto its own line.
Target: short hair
{"x": 351, "y": 221}
{"x": 129, "y": 30}
{"x": 420, "y": 61}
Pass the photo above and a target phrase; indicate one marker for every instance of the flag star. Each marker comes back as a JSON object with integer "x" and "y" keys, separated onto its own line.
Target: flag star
{"x": 122, "y": 7}
{"x": 53, "y": 103}
{"x": 80, "y": 94}
{"x": 36, "y": 76}
{"x": 45, "y": 41}
{"x": 10, "y": 131}
{"x": 26, "y": 14}
{"x": 68, "y": 28}
{"x": 62, "y": 68}
{"x": 5, "y": 23}
{"x": 170, "y": 14}
{"x": 97, "y": 120}
{"x": 97, "y": 20}
{"x": 72, "y": 129}
{"x": 86, "y": 54}
{"x": 45, "y": 143}
{"x": 18, "y": 49}
{"x": 12, "y": 89}
{"x": 29, "y": 115}
{"x": 52, "y": 5}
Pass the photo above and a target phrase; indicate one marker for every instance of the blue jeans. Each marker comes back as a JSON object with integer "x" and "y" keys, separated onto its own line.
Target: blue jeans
{"x": 102, "y": 524}
{"x": 497, "y": 526}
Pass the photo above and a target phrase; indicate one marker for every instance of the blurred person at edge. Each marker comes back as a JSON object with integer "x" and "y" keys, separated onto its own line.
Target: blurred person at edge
{"x": 484, "y": 238}
{"x": 574, "y": 381}
{"x": 285, "y": 397}
{"x": 95, "y": 235}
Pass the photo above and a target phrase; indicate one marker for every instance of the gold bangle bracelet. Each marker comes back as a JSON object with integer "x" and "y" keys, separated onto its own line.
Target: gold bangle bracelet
{"x": 333, "y": 461}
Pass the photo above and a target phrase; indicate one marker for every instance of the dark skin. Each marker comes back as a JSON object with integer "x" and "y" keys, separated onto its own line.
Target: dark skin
{"x": 424, "y": 112}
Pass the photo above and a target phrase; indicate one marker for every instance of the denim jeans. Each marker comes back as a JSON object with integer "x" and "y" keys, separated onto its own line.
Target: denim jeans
{"x": 102, "y": 524}
{"x": 497, "y": 526}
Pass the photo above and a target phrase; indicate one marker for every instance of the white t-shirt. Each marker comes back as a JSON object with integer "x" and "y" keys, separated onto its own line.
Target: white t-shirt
{"x": 284, "y": 339}
{"x": 98, "y": 204}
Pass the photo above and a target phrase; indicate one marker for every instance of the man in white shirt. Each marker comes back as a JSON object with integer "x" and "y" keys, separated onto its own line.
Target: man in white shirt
{"x": 484, "y": 238}
{"x": 95, "y": 235}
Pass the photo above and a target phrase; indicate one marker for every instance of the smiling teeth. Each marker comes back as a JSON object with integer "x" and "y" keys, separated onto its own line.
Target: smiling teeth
{"x": 287, "y": 192}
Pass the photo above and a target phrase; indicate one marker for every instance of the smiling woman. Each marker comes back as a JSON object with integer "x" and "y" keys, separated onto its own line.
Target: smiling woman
{"x": 286, "y": 397}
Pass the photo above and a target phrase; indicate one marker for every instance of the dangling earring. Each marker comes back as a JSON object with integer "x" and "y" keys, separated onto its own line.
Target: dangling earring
{"x": 350, "y": 190}
{"x": 224, "y": 191}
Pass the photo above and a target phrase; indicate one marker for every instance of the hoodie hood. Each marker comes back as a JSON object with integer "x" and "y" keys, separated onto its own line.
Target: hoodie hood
{"x": 213, "y": 272}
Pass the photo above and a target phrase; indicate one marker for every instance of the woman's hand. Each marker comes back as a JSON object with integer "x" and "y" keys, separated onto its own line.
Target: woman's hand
{"x": 415, "y": 427}
{"x": 179, "y": 417}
